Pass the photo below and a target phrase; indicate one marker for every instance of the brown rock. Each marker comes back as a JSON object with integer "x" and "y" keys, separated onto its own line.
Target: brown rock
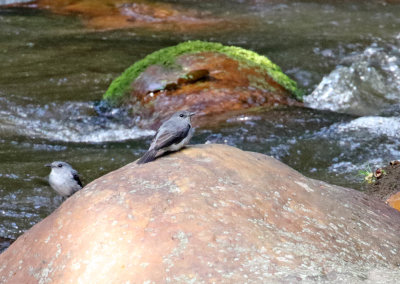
{"x": 207, "y": 82}
{"x": 209, "y": 214}
{"x": 114, "y": 14}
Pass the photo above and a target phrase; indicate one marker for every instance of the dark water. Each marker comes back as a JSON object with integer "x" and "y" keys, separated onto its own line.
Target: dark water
{"x": 52, "y": 70}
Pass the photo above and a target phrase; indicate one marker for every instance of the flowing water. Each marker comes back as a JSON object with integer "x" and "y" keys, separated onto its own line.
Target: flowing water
{"x": 345, "y": 54}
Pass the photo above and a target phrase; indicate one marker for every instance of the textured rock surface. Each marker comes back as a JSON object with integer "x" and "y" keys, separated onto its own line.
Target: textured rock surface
{"x": 209, "y": 213}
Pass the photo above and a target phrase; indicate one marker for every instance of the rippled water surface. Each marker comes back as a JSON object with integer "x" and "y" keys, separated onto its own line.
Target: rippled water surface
{"x": 345, "y": 54}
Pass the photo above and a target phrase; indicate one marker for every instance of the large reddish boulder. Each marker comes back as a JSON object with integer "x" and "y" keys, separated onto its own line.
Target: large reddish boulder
{"x": 209, "y": 214}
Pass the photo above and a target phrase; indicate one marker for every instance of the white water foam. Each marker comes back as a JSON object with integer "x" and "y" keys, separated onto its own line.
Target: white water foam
{"x": 374, "y": 125}
{"x": 68, "y": 122}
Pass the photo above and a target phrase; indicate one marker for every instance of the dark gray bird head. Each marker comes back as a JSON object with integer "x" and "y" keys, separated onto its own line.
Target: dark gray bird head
{"x": 63, "y": 178}
{"x": 183, "y": 115}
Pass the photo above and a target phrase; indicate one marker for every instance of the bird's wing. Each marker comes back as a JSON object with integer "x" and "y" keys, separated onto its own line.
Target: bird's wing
{"x": 76, "y": 178}
{"x": 168, "y": 138}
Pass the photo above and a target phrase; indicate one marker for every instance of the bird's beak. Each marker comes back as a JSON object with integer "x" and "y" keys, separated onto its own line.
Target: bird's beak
{"x": 191, "y": 114}
{"x": 48, "y": 165}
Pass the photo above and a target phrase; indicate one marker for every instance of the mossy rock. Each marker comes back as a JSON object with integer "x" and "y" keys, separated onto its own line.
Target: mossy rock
{"x": 121, "y": 87}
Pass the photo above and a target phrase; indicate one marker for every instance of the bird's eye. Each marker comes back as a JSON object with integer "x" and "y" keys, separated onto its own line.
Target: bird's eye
{"x": 181, "y": 115}
{"x": 60, "y": 165}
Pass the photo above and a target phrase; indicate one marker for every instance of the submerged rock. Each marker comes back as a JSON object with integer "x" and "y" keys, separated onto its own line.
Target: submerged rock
{"x": 209, "y": 213}
{"x": 205, "y": 77}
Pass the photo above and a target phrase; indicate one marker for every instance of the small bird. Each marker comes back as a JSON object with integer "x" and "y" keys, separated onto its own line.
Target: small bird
{"x": 172, "y": 135}
{"x": 64, "y": 179}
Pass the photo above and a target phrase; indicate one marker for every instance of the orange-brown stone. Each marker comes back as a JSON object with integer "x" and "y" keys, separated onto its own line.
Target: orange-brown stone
{"x": 113, "y": 14}
{"x": 209, "y": 214}
{"x": 221, "y": 85}
{"x": 394, "y": 201}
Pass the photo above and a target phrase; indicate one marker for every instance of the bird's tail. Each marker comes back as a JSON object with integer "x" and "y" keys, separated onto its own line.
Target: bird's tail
{"x": 148, "y": 157}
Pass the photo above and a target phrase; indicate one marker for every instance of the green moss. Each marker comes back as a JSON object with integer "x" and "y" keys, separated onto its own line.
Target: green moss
{"x": 121, "y": 86}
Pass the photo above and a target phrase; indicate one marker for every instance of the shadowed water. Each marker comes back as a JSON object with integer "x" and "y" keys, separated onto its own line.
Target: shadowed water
{"x": 53, "y": 70}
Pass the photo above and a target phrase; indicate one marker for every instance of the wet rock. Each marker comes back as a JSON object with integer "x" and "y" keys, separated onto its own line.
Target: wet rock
{"x": 208, "y": 78}
{"x": 209, "y": 213}
{"x": 115, "y": 14}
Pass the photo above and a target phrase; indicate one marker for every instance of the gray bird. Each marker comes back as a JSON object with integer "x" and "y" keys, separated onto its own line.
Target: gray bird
{"x": 172, "y": 135}
{"x": 64, "y": 179}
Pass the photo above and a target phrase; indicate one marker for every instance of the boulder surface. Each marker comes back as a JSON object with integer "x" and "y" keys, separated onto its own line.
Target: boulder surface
{"x": 209, "y": 214}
